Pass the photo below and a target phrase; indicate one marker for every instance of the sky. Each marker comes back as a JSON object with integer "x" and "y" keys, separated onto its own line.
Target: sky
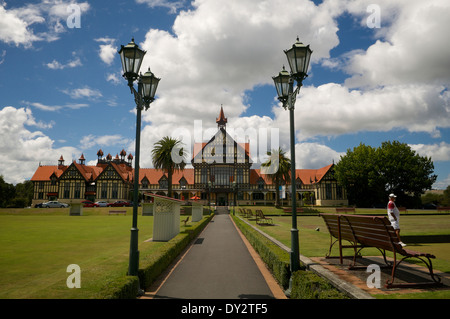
{"x": 380, "y": 71}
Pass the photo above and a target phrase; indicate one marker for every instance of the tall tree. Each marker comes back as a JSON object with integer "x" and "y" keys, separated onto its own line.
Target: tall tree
{"x": 278, "y": 168}
{"x": 369, "y": 174}
{"x": 168, "y": 155}
{"x": 357, "y": 172}
{"x": 405, "y": 172}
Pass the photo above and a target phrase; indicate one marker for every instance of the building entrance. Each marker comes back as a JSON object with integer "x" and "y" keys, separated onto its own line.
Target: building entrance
{"x": 222, "y": 199}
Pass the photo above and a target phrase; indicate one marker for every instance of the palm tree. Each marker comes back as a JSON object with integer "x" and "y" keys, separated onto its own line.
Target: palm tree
{"x": 168, "y": 155}
{"x": 278, "y": 168}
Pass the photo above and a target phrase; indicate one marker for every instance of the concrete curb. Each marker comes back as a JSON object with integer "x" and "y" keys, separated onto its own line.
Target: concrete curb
{"x": 344, "y": 286}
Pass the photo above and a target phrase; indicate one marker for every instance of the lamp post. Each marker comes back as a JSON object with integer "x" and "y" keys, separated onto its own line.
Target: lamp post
{"x": 298, "y": 58}
{"x": 131, "y": 56}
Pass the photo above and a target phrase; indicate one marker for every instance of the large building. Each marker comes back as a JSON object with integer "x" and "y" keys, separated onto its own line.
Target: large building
{"x": 221, "y": 175}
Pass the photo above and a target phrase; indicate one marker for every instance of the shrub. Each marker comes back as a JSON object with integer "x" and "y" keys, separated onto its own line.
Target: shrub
{"x": 121, "y": 288}
{"x": 308, "y": 285}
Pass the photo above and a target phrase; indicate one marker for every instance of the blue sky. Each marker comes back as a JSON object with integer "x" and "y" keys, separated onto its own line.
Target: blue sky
{"x": 61, "y": 90}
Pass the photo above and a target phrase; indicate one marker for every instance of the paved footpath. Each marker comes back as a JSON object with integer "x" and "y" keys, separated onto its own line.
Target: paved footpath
{"x": 218, "y": 266}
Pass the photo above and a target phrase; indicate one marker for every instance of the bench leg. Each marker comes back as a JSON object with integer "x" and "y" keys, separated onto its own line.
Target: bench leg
{"x": 436, "y": 279}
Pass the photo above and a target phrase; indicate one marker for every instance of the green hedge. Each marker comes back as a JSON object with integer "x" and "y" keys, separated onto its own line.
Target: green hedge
{"x": 308, "y": 285}
{"x": 126, "y": 287}
{"x": 305, "y": 284}
{"x": 120, "y": 288}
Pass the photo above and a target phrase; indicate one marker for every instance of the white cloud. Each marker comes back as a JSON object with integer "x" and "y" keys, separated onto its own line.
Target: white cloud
{"x": 55, "y": 65}
{"x": 85, "y": 92}
{"x": 90, "y": 141}
{"x": 411, "y": 51}
{"x": 416, "y": 108}
{"x": 21, "y": 146}
{"x": 53, "y": 108}
{"x": 107, "y": 50}
{"x": 314, "y": 155}
{"x": 437, "y": 152}
{"x": 172, "y": 5}
{"x": 17, "y": 24}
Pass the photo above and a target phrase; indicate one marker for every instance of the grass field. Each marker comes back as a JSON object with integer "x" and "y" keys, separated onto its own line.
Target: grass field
{"x": 37, "y": 245}
{"x": 427, "y": 233}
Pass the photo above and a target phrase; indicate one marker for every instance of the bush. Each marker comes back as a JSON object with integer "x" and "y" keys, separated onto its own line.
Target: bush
{"x": 126, "y": 287}
{"x": 308, "y": 285}
{"x": 121, "y": 288}
{"x": 305, "y": 284}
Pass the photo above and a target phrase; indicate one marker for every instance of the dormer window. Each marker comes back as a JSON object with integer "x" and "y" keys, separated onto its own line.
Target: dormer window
{"x": 163, "y": 183}
{"x": 261, "y": 183}
{"x": 145, "y": 182}
{"x": 183, "y": 183}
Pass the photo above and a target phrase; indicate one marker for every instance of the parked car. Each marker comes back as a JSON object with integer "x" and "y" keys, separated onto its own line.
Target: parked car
{"x": 38, "y": 205}
{"x": 102, "y": 203}
{"x": 54, "y": 203}
{"x": 119, "y": 203}
{"x": 88, "y": 203}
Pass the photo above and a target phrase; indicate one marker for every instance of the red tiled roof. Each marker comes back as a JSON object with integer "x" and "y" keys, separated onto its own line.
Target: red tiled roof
{"x": 154, "y": 175}
{"x": 307, "y": 176}
{"x": 43, "y": 173}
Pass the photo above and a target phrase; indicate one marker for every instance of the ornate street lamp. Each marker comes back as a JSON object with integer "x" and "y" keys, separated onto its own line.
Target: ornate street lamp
{"x": 298, "y": 58}
{"x": 132, "y": 56}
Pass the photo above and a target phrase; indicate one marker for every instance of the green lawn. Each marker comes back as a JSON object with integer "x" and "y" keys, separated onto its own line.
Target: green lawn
{"x": 37, "y": 245}
{"x": 426, "y": 233}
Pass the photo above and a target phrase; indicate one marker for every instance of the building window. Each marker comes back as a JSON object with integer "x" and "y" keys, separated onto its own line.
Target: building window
{"x": 223, "y": 175}
{"x": 328, "y": 191}
{"x": 261, "y": 183}
{"x": 163, "y": 183}
{"x": 115, "y": 191}
{"x": 204, "y": 175}
{"x": 104, "y": 190}
{"x": 239, "y": 175}
{"x": 258, "y": 196}
{"x": 66, "y": 190}
{"x": 77, "y": 193}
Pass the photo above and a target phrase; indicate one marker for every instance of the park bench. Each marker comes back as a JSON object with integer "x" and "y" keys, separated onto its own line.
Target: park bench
{"x": 117, "y": 212}
{"x": 250, "y": 214}
{"x": 443, "y": 209}
{"x": 289, "y": 209}
{"x": 261, "y": 218}
{"x": 242, "y": 212}
{"x": 373, "y": 231}
{"x": 345, "y": 209}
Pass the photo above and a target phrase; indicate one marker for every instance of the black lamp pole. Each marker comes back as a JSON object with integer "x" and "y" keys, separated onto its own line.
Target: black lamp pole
{"x": 131, "y": 57}
{"x": 298, "y": 57}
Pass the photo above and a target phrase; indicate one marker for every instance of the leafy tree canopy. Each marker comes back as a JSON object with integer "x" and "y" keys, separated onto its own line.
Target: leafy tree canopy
{"x": 370, "y": 174}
